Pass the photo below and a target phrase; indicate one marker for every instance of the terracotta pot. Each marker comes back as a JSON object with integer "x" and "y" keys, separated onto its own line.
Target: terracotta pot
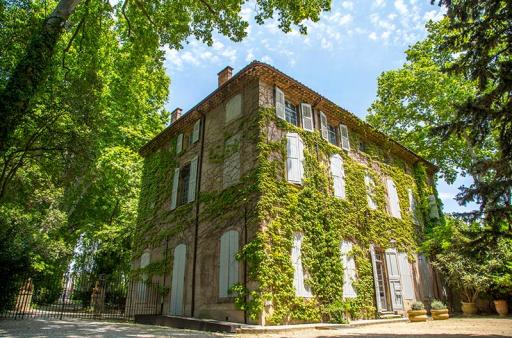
{"x": 469, "y": 309}
{"x": 501, "y": 307}
{"x": 441, "y": 314}
{"x": 417, "y": 315}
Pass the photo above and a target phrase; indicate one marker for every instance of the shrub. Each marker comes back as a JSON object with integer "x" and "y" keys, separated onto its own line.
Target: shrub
{"x": 437, "y": 305}
{"x": 417, "y": 306}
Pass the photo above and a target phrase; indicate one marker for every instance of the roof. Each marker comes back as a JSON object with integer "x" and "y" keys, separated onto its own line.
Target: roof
{"x": 257, "y": 69}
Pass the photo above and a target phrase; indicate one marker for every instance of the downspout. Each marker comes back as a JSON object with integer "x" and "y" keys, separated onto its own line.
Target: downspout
{"x": 196, "y": 230}
{"x": 245, "y": 261}
{"x": 165, "y": 272}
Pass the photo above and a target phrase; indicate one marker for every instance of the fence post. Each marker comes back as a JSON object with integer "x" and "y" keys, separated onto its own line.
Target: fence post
{"x": 64, "y": 296}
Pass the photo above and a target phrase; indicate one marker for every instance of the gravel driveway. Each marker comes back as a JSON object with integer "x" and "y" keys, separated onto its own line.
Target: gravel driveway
{"x": 452, "y": 328}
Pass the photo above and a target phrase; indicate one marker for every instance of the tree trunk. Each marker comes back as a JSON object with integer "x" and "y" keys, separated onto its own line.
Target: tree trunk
{"x": 31, "y": 71}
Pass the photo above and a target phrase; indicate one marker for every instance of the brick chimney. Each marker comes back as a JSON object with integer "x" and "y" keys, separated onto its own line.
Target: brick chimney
{"x": 224, "y": 75}
{"x": 176, "y": 113}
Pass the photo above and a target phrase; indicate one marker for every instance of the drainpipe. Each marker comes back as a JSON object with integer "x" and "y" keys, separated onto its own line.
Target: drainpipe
{"x": 165, "y": 273}
{"x": 196, "y": 230}
{"x": 245, "y": 261}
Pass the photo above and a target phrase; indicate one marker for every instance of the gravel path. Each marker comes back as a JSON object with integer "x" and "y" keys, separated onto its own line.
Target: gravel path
{"x": 452, "y": 328}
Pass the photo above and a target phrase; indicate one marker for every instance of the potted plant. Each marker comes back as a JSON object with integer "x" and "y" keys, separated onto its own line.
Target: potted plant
{"x": 439, "y": 310}
{"x": 417, "y": 313}
{"x": 501, "y": 274}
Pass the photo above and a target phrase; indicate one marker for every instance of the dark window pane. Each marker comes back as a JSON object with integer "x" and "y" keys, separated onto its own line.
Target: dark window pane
{"x": 362, "y": 147}
{"x": 291, "y": 113}
{"x": 183, "y": 185}
{"x": 332, "y": 134}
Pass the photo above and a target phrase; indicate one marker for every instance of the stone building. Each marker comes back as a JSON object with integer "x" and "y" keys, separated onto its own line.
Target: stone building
{"x": 328, "y": 211}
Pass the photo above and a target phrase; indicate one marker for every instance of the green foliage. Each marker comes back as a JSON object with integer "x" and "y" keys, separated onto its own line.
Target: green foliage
{"x": 417, "y": 306}
{"x": 437, "y": 305}
{"x": 284, "y": 208}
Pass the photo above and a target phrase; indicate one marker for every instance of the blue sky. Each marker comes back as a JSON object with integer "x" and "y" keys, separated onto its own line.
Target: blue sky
{"x": 341, "y": 57}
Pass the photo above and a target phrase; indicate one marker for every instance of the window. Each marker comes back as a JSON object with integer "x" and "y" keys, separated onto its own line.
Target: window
{"x": 301, "y": 289}
{"x": 178, "y": 280}
{"x": 195, "y": 132}
{"x": 179, "y": 144}
{"x": 362, "y": 147}
{"x": 345, "y": 142}
{"x": 291, "y": 113}
{"x": 349, "y": 269}
{"x": 412, "y": 206}
{"x": 295, "y": 158}
{"x": 280, "y": 103}
{"x": 406, "y": 275}
{"x": 233, "y": 108}
{"x": 331, "y": 131}
{"x": 394, "y": 205}
{"x": 323, "y": 126}
{"x": 231, "y": 170}
{"x": 338, "y": 175}
{"x": 184, "y": 184}
{"x": 145, "y": 259}
{"x": 228, "y": 265}
{"x": 184, "y": 179}
{"x": 307, "y": 116}
{"x": 370, "y": 191}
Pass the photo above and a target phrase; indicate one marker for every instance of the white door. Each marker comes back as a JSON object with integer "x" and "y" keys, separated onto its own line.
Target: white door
{"x": 178, "y": 280}
{"x": 395, "y": 286}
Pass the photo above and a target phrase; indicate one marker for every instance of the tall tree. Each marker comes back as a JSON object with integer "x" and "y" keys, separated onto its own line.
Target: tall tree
{"x": 163, "y": 22}
{"x": 479, "y": 35}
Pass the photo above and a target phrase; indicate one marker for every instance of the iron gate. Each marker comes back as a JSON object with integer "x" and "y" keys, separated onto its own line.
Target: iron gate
{"x": 73, "y": 296}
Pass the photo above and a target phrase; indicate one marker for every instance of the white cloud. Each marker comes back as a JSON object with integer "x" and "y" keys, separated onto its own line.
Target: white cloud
{"x": 379, "y": 3}
{"x": 401, "y": 7}
{"x": 372, "y": 36}
{"x": 446, "y": 196}
{"x": 385, "y": 35}
{"x": 250, "y": 55}
{"x": 266, "y": 59}
{"x": 345, "y": 19}
{"x": 347, "y": 5}
{"x": 434, "y": 15}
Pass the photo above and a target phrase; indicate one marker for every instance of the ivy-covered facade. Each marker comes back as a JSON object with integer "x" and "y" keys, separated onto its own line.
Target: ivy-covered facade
{"x": 267, "y": 203}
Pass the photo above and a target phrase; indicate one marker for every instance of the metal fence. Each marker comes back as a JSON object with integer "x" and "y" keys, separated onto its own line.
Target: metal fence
{"x": 84, "y": 296}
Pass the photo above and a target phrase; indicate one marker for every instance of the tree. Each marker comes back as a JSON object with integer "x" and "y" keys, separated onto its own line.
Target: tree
{"x": 148, "y": 23}
{"x": 479, "y": 36}
{"x": 419, "y": 97}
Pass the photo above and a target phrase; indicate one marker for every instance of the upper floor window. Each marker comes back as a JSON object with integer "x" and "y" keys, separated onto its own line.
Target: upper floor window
{"x": 412, "y": 206}
{"x": 362, "y": 146}
{"x": 231, "y": 169}
{"x": 344, "y": 139}
{"x": 228, "y": 265}
{"x": 370, "y": 191}
{"x": 295, "y": 158}
{"x": 394, "y": 205}
{"x": 332, "y": 134}
{"x": 184, "y": 184}
{"x": 291, "y": 113}
{"x": 338, "y": 175}
{"x": 233, "y": 108}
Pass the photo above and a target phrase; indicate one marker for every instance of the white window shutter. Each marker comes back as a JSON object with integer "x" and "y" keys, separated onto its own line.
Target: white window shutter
{"x": 233, "y": 108}
{"x": 295, "y": 158}
{"x": 228, "y": 267}
{"x": 338, "y": 174}
{"x": 349, "y": 266}
{"x": 224, "y": 265}
{"x": 394, "y": 205}
{"x": 195, "y": 131}
{"x": 231, "y": 166}
{"x": 412, "y": 206}
{"x": 233, "y": 263}
{"x": 345, "y": 142}
{"x": 307, "y": 116}
{"x": 406, "y": 274}
{"x": 323, "y": 126}
{"x": 434, "y": 211}
{"x": 179, "y": 144}
{"x": 178, "y": 279}
{"x": 301, "y": 289}
{"x": 192, "y": 180}
{"x": 370, "y": 185}
{"x": 280, "y": 104}
{"x": 174, "y": 193}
